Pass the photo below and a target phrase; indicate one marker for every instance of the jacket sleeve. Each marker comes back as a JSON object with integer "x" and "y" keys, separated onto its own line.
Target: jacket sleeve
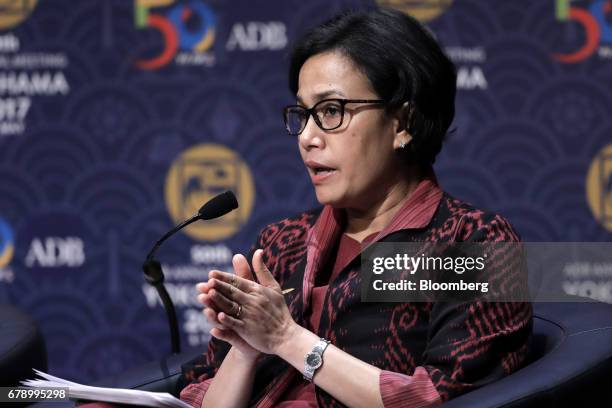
{"x": 473, "y": 343}
{"x": 198, "y": 374}
{"x": 193, "y": 394}
{"x": 401, "y": 390}
{"x": 470, "y": 344}
{"x": 279, "y": 241}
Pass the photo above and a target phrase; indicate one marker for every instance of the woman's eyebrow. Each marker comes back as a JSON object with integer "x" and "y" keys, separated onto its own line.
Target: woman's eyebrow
{"x": 322, "y": 95}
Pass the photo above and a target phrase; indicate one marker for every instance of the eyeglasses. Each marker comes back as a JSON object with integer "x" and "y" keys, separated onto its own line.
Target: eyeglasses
{"x": 328, "y": 114}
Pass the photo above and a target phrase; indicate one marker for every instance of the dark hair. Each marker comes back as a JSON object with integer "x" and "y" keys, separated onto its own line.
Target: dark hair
{"x": 403, "y": 62}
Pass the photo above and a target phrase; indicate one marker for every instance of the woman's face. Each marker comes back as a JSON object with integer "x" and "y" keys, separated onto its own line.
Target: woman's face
{"x": 360, "y": 164}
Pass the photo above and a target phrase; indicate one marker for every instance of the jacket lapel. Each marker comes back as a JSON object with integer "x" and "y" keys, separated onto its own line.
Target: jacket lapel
{"x": 320, "y": 243}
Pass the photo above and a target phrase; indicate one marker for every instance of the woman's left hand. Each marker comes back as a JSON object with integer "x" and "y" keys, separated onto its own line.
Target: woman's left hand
{"x": 265, "y": 321}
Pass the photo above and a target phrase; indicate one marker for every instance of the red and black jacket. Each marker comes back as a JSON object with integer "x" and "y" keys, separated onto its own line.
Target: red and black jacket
{"x": 461, "y": 345}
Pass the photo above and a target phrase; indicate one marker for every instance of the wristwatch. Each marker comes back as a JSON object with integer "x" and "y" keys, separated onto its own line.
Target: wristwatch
{"x": 314, "y": 359}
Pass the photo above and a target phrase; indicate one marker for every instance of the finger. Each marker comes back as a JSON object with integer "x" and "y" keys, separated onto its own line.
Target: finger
{"x": 211, "y": 312}
{"x": 239, "y": 282}
{"x": 241, "y": 267}
{"x": 206, "y": 286}
{"x": 206, "y": 300}
{"x": 211, "y": 316}
{"x": 264, "y": 275}
{"x": 212, "y": 309}
{"x": 223, "y": 303}
{"x": 231, "y": 322}
{"x": 202, "y": 287}
{"x": 228, "y": 291}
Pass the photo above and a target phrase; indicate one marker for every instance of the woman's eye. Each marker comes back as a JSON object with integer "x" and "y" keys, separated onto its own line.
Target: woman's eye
{"x": 331, "y": 110}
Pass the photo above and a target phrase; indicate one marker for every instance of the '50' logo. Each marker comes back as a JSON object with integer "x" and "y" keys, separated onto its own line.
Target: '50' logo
{"x": 594, "y": 23}
{"x": 176, "y": 28}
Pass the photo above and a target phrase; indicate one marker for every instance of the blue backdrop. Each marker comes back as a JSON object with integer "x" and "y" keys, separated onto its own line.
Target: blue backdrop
{"x": 118, "y": 118}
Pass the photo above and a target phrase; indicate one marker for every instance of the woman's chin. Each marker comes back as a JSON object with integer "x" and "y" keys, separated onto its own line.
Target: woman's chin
{"x": 332, "y": 198}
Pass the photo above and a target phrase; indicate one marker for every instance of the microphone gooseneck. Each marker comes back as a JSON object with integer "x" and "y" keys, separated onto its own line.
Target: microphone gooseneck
{"x": 216, "y": 207}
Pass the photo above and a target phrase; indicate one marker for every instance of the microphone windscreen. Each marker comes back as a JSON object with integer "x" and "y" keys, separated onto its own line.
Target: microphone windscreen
{"x": 218, "y": 206}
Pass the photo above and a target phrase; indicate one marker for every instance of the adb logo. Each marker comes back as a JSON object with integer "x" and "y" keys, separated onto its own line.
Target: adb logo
{"x": 594, "y": 20}
{"x": 422, "y": 10}
{"x": 7, "y": 244}
{"x": 599, "y": 187}
{"x": 199, "y": 174}
{"x": 13, "y": 12}
{"x": 188, "y": 26}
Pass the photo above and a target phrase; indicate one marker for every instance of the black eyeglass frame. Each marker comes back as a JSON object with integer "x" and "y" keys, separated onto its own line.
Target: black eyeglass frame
{"x": 312, "y": 112}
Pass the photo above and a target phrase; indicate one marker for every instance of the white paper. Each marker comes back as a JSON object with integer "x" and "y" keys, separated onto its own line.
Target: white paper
{"x": 118, "y": 395}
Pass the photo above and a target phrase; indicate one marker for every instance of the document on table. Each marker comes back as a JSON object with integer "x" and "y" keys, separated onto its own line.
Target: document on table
{"x": 118, "y": 395}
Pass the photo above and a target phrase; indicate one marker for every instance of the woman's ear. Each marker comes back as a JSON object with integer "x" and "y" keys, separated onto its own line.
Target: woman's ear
{"x": 402, "y": 124}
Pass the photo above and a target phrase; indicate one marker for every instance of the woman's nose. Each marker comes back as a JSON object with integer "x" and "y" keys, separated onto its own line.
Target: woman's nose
{"x": 312, "y": 136}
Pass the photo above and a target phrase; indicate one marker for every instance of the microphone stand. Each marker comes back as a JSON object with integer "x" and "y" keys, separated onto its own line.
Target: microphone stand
{"x": 154, "y": 275}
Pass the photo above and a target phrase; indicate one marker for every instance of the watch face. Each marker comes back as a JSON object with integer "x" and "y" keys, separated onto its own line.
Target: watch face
{"x": 313, "y": 360}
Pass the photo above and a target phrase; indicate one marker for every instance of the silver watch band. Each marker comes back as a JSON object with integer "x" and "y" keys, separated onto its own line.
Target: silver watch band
{"x": 314, "y": 359}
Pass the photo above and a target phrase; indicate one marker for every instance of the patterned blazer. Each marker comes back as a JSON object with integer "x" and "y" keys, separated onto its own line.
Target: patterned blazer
{"x": 462, "y": 346}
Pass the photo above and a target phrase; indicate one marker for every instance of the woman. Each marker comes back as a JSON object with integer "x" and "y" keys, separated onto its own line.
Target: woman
{"x": 375, "y": 97}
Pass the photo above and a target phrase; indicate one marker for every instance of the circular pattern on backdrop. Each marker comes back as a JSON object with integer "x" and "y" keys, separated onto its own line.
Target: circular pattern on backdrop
{"x": 599, "y": 187}
{"x": 103, "y": 151}
{"x": 200, "y": 173}
{"x": 422, "y": 10}
{"x": 14, "y": 12}
{"x": 6, "y": 243}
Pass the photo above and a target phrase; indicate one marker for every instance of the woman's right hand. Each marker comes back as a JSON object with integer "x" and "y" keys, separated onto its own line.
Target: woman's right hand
{"x": 241, "y": 269}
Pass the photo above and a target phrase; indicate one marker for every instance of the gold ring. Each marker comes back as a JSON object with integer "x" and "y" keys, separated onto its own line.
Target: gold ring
{"x": 239, "y": 312}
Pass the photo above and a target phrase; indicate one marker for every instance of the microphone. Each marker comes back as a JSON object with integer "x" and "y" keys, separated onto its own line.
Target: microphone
{"x": 216, "y": 207}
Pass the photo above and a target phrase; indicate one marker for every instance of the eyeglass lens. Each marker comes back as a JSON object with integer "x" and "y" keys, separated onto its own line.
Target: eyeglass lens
{"x": 328, "y": 116}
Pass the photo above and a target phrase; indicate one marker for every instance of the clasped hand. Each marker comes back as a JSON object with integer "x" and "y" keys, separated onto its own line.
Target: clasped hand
{"x": 253, "y": 317}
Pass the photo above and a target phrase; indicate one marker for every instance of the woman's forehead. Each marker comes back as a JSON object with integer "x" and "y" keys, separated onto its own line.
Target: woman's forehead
{"x": 326, "y": 94}
{"x": 331, "y": 74}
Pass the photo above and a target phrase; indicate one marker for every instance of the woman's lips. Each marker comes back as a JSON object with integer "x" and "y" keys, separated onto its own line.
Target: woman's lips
{"x": 320, "y": 176}
{"x": 319, "y": 172}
